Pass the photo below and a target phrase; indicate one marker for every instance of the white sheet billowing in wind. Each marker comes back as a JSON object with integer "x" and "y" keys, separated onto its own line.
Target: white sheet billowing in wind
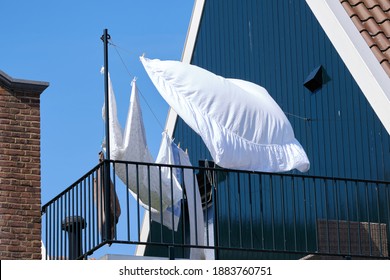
{"x": 239, "y": 122}
{"x": 165, "y": 197}
{"x": 131, "y": 146}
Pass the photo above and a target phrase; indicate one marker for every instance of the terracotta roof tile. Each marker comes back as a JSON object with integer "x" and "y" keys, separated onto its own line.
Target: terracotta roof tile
{"x": 352, "y": 2}
{"x": 382, "y": 42}
{"x": 386, "y": 27}
{"x": 372, "y": 19}
{"x": 386, "y": 66}
{"x": 380, "y": 54}
{"x": 374, "y": 28}
{"x": 379, "y": 41}
{"x": 385, "y": 4}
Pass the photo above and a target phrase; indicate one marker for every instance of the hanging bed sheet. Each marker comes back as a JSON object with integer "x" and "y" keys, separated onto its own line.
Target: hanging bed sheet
{"x": 159, "y": 189}
{"x": 156, "y": 193}
{"x": 239, "y": 122}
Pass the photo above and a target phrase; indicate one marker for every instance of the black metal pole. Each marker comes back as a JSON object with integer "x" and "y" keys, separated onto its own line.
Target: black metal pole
{"x": 105, "y": 39}
{"x": 106, "y": 166}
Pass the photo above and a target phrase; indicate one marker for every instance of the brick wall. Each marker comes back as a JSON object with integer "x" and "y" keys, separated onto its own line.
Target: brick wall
{"x": 20, "y": 168}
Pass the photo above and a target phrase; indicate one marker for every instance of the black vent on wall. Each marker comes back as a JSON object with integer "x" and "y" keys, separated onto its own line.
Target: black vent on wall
{"x": 316, "y": 79}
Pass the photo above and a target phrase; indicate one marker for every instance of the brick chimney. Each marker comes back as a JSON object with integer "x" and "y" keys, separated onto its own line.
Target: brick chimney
{"x": 20, "y": 168}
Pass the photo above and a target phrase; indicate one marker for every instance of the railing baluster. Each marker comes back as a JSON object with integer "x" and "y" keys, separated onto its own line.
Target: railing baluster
{"x": 171, "y": 189}
{"x": 379, "y": 219}
{"x": 59, "y": 219}
{"x": 229, "y": 214}
{"x": 184, "y": 206}
{"x": 272, "y": 211}
{"x": 305, "y": 213}
{"x": 283, "y": 212}
{"x": 294, "y": 214}
{"x": 358, "y": 216}
{"x": 48, "y": 238}
{"x": 250, "y": 211}
{"x": 348, "y": 219}
{"x": 195, "y": 208}
{"x": 57, "y": 226}
{"x": 239, "y": 211}
{"x": 127, "y": 203}
{"x": 216, "y": 231}
{"x": 113, "y": 200}
{"x": 50, "y": 243}
{"x": 46, "y": 230}
{"x": 84, "y": 189}
{"x": 336, "y": 201}
{"x": 150, "y": 203}
{"x": 207, "y": 206}
{"x": 261, "y": 211}
{"x": 161, "y": 205}
{"x": 388, "y": 216}
{"x": 92, "y": 221}
{"x": 327, "y": 216}
{"x": 75, "y": 218}
{"x": 59, "y": 232}
{"x": 103, "y": 230}
{"x": 64, "y": 236}
{"x": 368, "y": 218}
{"x": 138, "y": 203}
{"x": 315, "y": 211}
{"x": 89, "y": 195}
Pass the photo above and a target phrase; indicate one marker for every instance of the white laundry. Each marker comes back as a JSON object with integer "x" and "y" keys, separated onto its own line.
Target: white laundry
{"x": 239, "y": 122}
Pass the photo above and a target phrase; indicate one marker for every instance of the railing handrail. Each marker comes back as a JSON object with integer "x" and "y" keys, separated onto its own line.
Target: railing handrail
{"x": 309, "y": 211}
{"x": 43, "y": 208}
{"x": 296, "y": 175}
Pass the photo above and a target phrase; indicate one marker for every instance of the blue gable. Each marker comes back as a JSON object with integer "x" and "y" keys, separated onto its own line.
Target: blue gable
{"x": 281, "y": 46}
{"x": 278, "y": 44}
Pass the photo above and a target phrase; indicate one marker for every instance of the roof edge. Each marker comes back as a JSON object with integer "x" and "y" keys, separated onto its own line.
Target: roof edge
{"x": 356, "y": 54}
{"x": 12, "y": 84}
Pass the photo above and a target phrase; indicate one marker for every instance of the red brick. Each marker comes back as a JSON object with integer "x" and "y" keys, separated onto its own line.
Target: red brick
{"x": 20, "y": 198}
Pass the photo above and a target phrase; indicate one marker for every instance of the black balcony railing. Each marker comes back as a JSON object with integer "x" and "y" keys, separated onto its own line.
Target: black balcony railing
{"x": 247, "y": 215}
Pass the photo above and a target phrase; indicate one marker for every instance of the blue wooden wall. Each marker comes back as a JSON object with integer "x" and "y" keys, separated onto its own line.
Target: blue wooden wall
{"x": 277, "y": 44}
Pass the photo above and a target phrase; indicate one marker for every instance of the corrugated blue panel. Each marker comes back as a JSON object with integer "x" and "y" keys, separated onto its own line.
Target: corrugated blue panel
{"x": 276, "y": 44}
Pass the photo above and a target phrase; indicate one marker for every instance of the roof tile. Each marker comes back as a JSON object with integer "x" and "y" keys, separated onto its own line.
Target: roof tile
{"x": 352, "y": 2}
{"x": 386, "y": 27}
{"x": 374, "y": 28}
{"x": 384, "y": 4}
{"x": 372, "y": 19}
{"x": 379, "y": 14}
{"x": 382, "y": 42}
{"x": 362, "y": 12}
{"x": 380, "y": 55}
{"x": 386, "y": 66}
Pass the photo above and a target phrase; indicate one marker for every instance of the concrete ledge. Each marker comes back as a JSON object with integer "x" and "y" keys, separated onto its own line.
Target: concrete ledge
{"x": 20, "y": 85}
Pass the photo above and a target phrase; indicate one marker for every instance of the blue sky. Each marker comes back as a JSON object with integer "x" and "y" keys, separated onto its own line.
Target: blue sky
{"x": 59, "y": 42}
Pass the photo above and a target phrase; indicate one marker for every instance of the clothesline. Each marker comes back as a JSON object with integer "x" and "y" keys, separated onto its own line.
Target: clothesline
{"x": 116, "y": 47}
